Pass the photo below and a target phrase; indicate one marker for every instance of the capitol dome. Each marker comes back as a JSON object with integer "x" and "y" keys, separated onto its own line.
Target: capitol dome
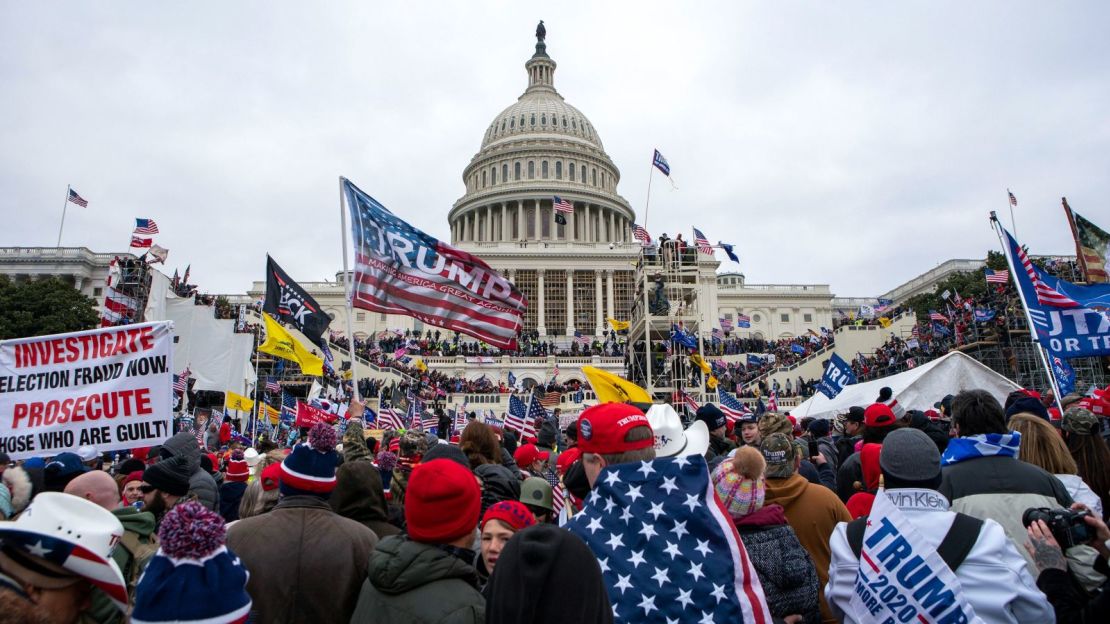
{"x": 537, "y": 149}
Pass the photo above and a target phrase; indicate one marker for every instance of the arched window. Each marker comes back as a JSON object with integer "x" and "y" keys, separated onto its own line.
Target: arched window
{"x": 483, "y": 179}
{"x": 512, "y": 123}
{"x": 583, "y": 174}
{"x": 531, "y": 169}
{"x": 570, "y": 169}
{"x": 564, "y": 121}
{"x": 502, "y": 125}
{"x": 543, "y": 170}
{"x": 505, "y": 172}
{"x": 543, "y": 119}
{"x": 593, "y": 177}
{"x": 493, "y": 175}
{"x": 558, "y": 170}
{"x": 574, "y": 124}
{"x": 533, "y": 119}
{"x": 516, "y": 170}
{"x": 522, "y": 122}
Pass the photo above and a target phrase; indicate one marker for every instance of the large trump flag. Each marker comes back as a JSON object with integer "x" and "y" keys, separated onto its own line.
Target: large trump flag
{"x": 401, "y": 270}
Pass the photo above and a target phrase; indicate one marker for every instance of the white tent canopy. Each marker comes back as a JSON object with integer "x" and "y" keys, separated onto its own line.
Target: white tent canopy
{"x": 917, "y": 388}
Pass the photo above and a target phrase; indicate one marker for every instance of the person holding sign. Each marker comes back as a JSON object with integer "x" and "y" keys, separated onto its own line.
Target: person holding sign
{"x": 915, "y": 560}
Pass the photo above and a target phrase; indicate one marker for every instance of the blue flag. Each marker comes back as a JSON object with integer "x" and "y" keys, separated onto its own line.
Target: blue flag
{"x": 756, "y": 360}
{"x": 1069, "y": 320}
{"x": 797, "y": 348}
{"x": 512, "y": 380}
{"x": 941, "y": 330}
{"x": 984, "y": 315}
{"x": 661, "y": 163}
{"x": 682, "y": 338}
{"x": 1064, "y": 374}
{"x": 837, "y": 375}
{"x": 728, "y": 252}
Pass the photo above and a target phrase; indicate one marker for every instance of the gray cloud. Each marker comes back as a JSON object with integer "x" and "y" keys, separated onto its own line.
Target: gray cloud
{"x": 856, "y": 144}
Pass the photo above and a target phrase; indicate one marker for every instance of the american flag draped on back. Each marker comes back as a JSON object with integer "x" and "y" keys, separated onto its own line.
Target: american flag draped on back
{"x": 702, "y": 243}
{"x": 668, "y": 552}
{"x": 401, "y": 270}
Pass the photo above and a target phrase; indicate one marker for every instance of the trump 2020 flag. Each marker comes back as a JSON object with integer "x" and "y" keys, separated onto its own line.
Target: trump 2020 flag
{"x": 837, "y": 375}
{"x": 668, "y": 552}
{"x": 401, "y": 270}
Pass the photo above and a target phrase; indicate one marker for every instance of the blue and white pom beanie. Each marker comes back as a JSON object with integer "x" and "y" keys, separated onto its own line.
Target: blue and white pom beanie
{"x": 310, "y": 468}
{"x": 193, "y": 577}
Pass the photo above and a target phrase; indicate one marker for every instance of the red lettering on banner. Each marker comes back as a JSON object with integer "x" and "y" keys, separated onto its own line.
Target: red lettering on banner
{"x": 76, "y": 348}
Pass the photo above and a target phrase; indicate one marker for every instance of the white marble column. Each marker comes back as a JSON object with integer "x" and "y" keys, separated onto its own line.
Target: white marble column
{"x": 536, "y": 219}
{"x": 612, "y": 227}
{"x": 599, "y": 297}
{"x": 609, "y": 293}
{"x": 570, "y": 302}
{"x": 504, "y": 222}
{"x": 488, "y": 230}
{"x": 554, "y": 226}
{"x": 586, "y": 226}
{"x": 541, "y": 310}
{"x": 520, "y": 221}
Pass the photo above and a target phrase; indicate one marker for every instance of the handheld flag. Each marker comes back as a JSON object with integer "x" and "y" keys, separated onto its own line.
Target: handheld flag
{"x": 139, "y": 242}
{"x": 661, "y": 163}
{"x": 158, "y": 254}
{"x": 145, "y": 226}
{"x": 237, "y": 402}
{"x": 618, "y": 325}
{"x": 280, "y": 343}
{"x": 611, "y": 388}
{"x": 702, "y": 243}
{"x": 743, "y": 320}
{"x": 401, "y": 270}
{"x": 288, "y": 301}
{"x": 837, "y": 375}
{"x": 1092, "y": 246}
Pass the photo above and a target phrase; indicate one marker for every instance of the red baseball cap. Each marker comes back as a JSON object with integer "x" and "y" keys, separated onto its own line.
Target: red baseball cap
{"x": 601, "y": 428}
{"x": 526, "y": 454}
{"x": 566, "y": 458}
{"x": 878, "y": 415}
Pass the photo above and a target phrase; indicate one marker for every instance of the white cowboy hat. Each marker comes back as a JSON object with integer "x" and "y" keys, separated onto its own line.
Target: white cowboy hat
{"x": 670, "y": 439}
{"x": 74, "y": 536}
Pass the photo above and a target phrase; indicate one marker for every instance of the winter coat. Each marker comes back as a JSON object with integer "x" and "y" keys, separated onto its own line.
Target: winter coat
{"x": 140, "y": 524}
{"x": 1001, "y": 489}
{"x": 994, "y": 582}
{"x": 498, "y": 484}
{"x": 849, "y": 473}
{"x": 939, "y": 436}
{"x": 305, "y": 561}
{"x": 508, "y": 461}
{"x": 549, "y": 435}
{"x": 358, "y": 495}
{"x": 827, "y": 448}
{"x": 1081, "y": 493}
{"x": 231, "y": 494}
{"x": 200, "y": 482}
{"x": 15, "y": 492}
{"x": 418, "y": 583}
{"x": 721, "y": 446}
{"x": 813, "y": 512}
{"x": 845, "y": 446}
{"x": 785, "y": 570}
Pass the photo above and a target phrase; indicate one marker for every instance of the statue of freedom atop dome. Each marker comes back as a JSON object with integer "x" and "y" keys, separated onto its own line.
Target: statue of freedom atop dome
{"x": 541, "y": 32}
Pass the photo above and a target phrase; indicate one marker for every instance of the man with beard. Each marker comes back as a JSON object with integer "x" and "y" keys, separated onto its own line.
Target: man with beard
{"x": 165, "y": 484}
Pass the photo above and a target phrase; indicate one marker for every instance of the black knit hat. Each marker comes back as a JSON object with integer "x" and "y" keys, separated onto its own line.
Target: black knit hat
{"x": 169, "y": 475}
{"x": 712, "y": 416}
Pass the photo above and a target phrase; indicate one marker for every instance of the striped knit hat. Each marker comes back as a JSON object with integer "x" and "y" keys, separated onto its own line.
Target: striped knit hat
{"x": 310, "y": 468}
{"x": 740, "y": 483}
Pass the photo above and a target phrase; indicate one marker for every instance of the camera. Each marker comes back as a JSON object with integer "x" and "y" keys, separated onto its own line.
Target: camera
{"x": 1067, "y": 526}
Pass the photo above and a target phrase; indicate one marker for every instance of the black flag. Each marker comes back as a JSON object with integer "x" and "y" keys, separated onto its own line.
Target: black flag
{"x": 287, "y": 301}
{"x": 560, "y": 219}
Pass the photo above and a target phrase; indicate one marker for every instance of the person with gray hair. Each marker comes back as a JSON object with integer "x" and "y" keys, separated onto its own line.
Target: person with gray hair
{"x": 989, "y": 568}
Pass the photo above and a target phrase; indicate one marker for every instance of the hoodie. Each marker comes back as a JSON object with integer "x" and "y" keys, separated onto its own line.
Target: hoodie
{"x": 359, "y": 495}
{"x": 200, "y": 482}
{"x": 813, "y": 511}
{"x": 139, "y": 524}
{"x": 419, "y": 583}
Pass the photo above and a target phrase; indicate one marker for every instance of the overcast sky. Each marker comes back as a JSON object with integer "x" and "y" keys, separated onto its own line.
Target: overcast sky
{"x": 851, "y": 143}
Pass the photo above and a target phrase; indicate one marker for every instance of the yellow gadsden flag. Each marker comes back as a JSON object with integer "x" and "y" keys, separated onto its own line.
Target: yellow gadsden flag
{"x": 697, "y": 360}
{"x": 238, "y": 402}
{"x": 884, "y": 321}
{"x": 611, "y": 388}
{"x": 282, "y": 344}
{"x": 618, "y": 325}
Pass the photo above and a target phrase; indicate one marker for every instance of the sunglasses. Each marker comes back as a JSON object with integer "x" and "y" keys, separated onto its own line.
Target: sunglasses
{"x": 146, "y": 489}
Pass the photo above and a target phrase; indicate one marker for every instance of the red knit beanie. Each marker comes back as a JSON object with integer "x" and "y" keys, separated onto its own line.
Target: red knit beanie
{"x": 442, "y": 502}
{"x": 237, "y": 469}
{"x": 512, "y": 513}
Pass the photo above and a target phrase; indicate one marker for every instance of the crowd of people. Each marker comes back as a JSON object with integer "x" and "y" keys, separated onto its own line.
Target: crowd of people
{"x": 604, "y": 520}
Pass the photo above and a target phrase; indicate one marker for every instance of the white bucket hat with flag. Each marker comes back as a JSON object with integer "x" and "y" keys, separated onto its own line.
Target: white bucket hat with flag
{"x": 60, "y": 537}
{"x": 671, "y": 440}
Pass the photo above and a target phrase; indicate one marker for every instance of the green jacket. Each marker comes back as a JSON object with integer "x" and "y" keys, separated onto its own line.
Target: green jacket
{"x": 418, "y": 583}
{"x": 141, "y": 525}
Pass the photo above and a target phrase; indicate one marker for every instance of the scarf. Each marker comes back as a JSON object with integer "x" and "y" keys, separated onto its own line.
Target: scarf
{"x": 982, "y": 445}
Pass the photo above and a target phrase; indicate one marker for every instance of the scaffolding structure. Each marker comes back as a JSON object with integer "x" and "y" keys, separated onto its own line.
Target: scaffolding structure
{"x": 667, "y": 299}
{"x": 134, "y": 283}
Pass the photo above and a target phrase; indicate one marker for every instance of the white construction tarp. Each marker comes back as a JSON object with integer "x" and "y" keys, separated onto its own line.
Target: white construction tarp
{"x": 160, "y": 294}
{"x": 217, "y": 357}
{"x": 917, "y": 388}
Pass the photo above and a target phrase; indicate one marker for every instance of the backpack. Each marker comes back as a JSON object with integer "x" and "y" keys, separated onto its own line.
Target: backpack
{"x": 953, "y": 549}
{"x": 140, "y": 553}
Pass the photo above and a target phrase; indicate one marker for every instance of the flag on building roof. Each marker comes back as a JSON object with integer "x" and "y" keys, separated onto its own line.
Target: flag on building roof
{"x": 997, "y": 277}
{"x": 667, "y": 550}
{"x": 140, "y": 242}
{"x": 414, "y": 274}
{"x": 743, "y": 320}
{"x": 731, "y": 406}
{"x": 702, "y": 243}
{"x": 580, "y": 339}
{"x": 562, "y": 205}
{"x": 145, "y": 226}
{"x": 728, "y": 249}
{"x": 661, "y": 163}
{"x": 641, "y": 234}
{"x": 74, "y": 198}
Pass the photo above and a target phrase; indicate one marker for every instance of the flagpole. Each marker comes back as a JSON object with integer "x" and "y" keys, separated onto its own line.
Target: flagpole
{"x": 349, "y": 288}
{"x": 1011, "y": 202}
{"x": 65, "y": 205}
{"x": 1028, "y": 317}
{"x": 254, "y": 422}
{"x": 647, "y": 201}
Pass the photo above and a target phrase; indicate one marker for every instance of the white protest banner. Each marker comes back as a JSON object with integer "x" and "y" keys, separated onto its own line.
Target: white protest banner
{"x": 107, "y": 388}
{"x": 902, "y": 579}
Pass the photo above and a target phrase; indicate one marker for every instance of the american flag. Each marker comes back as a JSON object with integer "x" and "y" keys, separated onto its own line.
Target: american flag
{"x": 1046, "y": 294}
{"x": 272, "y": 386}
{"x": 550, "y": 399}
{"x": 718, "y": 334}
{"x": 537, "y": 411}
{"x": 1013, "y": 200}
{"x": 145, "y": 226}
{"x": 288, "y": 407}
{"x": 517, "y": 419}
{"x": 138, "y": 241}
{"x": 685, "y": 564}
{"x": 389, "y": 419}
{"x": 998, "y": 277}
{"x": 460, "y": 416}
{"x": 429, "y": 421}
{"x": 562, "y": 205}
{"x": 702, "y": 243}
{"x": 555, "y": 372}
{"x": 433, "y": 282}
{"x": 558, "y": 500}
{"x": 118, "y": 309}
{"x": 916, "y": 331}
{"x": 688, "y": 401}
{"x": 400, "y": 352}
{"x": 77, "y": 199}
{"x": 732, "y": 407}
{"x": 743, "y": 320}
{"x": 641, "y": 234}
{"x": 773, "y": 401}
{"x": 726, "y": 323}
{"x": 580, "y": 339}
{"x": 937, "y": 316}
{"x": 911, "y": 363}
{"x": 181, "y": 382}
